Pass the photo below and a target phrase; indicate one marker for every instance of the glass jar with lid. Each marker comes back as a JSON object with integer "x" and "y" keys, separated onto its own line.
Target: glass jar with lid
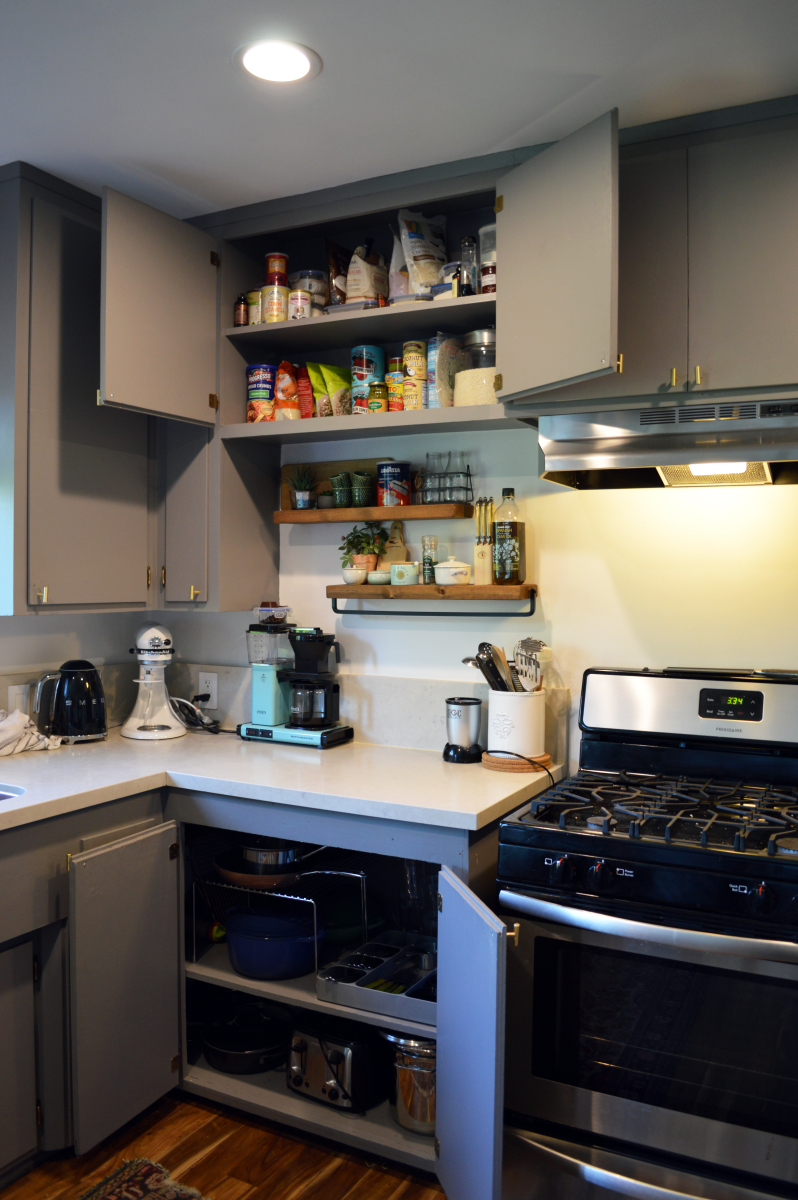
{"x": 481, "y": 347}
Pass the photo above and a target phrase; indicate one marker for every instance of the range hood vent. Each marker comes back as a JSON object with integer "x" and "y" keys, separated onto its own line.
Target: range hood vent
{"x": 658, "y": 416}
{"x": 696, "y": 412}
{"x": 682, "y": 476}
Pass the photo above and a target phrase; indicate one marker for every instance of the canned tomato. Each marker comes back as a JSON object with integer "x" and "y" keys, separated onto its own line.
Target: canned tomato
{"x": 253, "y": 307}
{"x": 277, "y": 269}
{"x": 368, "y": 366}
{"x": 394, "y": 378}
{"x": 260, "y": 392}
{"x": 378, "y": 397}
{"x": 299, "y": 305}
{"x": 393, "y": 483}
{"x": 273, "y": 304}
{"x": 414, "y": 391}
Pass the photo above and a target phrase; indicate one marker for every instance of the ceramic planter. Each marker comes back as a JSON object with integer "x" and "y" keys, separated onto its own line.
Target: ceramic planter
{"x": 305, "y": 499}
{"x": 326, "y": 501}
{"x": 366, "y": 562}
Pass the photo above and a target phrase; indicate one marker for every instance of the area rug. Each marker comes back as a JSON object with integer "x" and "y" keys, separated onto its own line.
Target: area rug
{"x": 140, "y": 1179}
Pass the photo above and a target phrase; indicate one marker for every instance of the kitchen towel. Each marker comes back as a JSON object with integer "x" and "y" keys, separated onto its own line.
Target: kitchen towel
{"x": 18, "y": 733}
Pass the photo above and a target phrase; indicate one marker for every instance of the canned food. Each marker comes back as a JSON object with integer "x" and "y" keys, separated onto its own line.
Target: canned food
{"x": 299, "y": 305}
{"x": 393, "y": 483}
{"x": 260, "y": 392}
{"x": 253, "y": 307}
{"x": 378, "y": 397}
{"x": 488, "y": 280}
{"x": 368, "y": 366}
{"x": 277, "y": 269}
{"x": 414, "y": 390}
{"x": 274, "y": 304}
{"x": 394, "y": 379}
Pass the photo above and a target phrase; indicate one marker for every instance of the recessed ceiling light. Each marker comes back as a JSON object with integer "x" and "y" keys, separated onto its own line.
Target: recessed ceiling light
{"x": 278, "y": 62}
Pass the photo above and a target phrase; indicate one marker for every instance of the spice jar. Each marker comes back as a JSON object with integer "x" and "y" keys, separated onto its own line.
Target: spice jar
{"x": 241, "y": 310}
{"x": 429, "y": 556}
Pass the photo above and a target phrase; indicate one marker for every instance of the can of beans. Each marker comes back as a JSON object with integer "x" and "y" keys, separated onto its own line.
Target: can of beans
{"x": 277, "y": 269}
{"x": 378, "y": 397}
{"x": 299, "y": 304}
{"x": 368, "y": 366}
{"x": 394, "y": 378}
{"x": 260, "y": 392}
{"x": 273, "y": 304}
{"x": 393, "y": 483}
{"x": 253, "y": 307}
{"x": 414, "y": 390}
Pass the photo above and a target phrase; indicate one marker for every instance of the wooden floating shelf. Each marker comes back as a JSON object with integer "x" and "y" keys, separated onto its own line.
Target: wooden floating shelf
{"x": 408, "y": 512}
{"x": 429, "y": 591}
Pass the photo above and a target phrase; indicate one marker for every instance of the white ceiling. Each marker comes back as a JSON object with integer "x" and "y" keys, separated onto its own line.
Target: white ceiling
{"x": 143, "y": 95}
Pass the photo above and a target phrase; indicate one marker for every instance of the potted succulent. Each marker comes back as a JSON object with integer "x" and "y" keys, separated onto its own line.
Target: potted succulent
{"x": 325, "y": 499}
{"x": 360, "y": 548}
{"x": 302, "y": 482}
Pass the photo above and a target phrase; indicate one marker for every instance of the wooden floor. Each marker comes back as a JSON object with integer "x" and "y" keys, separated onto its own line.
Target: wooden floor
{"x": 226, "y": 1156}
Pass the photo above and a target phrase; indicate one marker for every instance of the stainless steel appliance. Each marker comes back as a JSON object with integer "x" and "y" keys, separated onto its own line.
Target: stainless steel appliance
{"x": 653, "y": 996}
{"x": 70, "y": 702}
{"x": 463, "y": 720}
{"x": 338, "y": 1062}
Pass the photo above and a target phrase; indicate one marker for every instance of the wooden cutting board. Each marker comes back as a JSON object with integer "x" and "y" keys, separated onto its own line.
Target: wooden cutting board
{"x": 395, "y": 550}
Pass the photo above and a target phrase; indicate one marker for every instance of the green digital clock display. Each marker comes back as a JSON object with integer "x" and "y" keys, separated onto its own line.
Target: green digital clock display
{"x": 728, "y": 701}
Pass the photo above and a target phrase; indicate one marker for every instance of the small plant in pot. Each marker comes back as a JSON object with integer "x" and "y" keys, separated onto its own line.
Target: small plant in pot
{"x": 302, "y": 482}
{"x": 360, "y": 548}
{"x": 326, "y": 499}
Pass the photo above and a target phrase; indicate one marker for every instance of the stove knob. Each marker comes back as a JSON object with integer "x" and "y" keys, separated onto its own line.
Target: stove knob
{"x": 761, "y": 900}
{"x": 599, "y": 877}
{"x": 332, "y": 1094}
{"x": 563, "y": 871}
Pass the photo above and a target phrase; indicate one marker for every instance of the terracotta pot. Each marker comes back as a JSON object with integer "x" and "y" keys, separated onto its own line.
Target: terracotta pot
{"x": 366, "y": 562}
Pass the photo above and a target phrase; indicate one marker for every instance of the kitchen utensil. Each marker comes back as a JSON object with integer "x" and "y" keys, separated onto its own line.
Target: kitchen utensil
{"x": 463, "y": 718}
{"x": 530, "y": 655}
{"x": 452, "y": 572}
{"x": 338, "y": 1062}
{"x": 266, "y": 946}
{"x": 483, "y": 558}
{"x": 516, "y": 722}
{"x": 500, "y": 662}
{"x": 70, "y": 702}
{"x": 253, "y": 1041}
{"x": 474, "y": 662}
{"x": 264, "y": 863}
{"x": 506, "y": 672}
{"x": 491, "y": 672}
{"x": 412, "y": 1099}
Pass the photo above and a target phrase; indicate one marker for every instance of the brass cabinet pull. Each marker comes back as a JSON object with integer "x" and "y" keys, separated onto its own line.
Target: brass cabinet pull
{"x": 42, "y": 595}
{"x": 698, "y": 376}
{"x": 194, "y": 593}
{"x": 515, "y": 933}
{"x": 163, "y": 576}
{"x": 620, "y": 364}
{"x": 149, "y": 577}
{"x": 673, "y": 377}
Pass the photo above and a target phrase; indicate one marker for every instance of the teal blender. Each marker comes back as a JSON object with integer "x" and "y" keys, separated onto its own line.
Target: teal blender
{"x": 299, "y": 706}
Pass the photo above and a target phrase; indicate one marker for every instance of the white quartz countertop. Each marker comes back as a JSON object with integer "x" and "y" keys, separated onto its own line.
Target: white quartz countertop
{"x": 384, "y": 782}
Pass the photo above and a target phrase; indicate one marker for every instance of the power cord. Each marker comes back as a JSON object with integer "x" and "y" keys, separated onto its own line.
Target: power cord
{"x": 191, "y": 716}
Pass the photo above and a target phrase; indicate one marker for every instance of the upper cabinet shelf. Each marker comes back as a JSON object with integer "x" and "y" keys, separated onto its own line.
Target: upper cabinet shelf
{"x": 369, "y": 425}
{"x": 396, "y": 323}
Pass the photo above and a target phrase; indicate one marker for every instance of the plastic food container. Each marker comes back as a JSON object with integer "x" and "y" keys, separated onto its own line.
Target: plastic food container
{"x": 412, "y": 298}
{"x": 440, "y": 289}
{"x": 449, "y": 271}
{"x": 487, "y": 243}
{"x": 314, "y": 282}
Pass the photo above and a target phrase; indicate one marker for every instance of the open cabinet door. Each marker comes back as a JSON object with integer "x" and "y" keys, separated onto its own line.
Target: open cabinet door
{"x": 124, "y": 980}
{"x": 158, "y": 327}
{"x": 472, "y": 957}
{"x": 557, "y": 257}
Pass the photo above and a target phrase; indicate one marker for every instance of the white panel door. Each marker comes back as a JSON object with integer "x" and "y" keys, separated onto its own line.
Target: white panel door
{"x": 472, "y": 958}
{"x": 18, "y": 1132}
{"x": 159, "y": 306}
{"x": 557, "y": 263}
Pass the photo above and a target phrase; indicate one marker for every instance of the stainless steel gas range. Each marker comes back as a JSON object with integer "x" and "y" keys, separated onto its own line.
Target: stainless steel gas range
{"x": 652, "y": 1019}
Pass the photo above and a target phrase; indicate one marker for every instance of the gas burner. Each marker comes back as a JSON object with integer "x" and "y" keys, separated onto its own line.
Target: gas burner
{"x": 708, "y": 813}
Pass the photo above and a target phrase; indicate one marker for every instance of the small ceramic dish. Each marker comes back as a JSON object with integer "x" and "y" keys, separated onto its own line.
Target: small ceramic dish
{"x": 354, "y": 574}
{"x": 379, "y": 576}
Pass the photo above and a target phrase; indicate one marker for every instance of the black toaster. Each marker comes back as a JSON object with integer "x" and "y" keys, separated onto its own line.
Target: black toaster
{"x": 338, "y": 1062}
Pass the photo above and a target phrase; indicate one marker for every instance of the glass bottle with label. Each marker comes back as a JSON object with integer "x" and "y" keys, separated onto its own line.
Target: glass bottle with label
{"x": 509, "y": 549}
{"x": 429, "y": 554}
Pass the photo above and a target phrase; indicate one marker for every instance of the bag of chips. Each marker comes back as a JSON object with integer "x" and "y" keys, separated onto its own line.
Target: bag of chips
{"x": 305, "y": 393}
{"x": 424, "y": 245}
{"x": 321, "y": 397}
{"x": 339, "y": 389}
{"x": 286, "y": 396}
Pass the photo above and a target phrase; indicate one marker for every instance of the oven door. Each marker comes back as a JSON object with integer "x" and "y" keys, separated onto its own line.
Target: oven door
{"x": 670, "y": 1039}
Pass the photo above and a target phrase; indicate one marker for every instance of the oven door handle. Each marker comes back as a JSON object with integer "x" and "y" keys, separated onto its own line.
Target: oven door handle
{"x": 659, "y": 935}
{"x": 622, "y": 1185}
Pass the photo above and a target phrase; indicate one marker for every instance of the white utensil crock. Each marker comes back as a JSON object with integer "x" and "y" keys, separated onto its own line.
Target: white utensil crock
{"x": 516, "y": 722}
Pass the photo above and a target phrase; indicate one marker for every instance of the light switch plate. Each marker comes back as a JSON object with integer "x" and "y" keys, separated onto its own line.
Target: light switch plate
{"x": 208, "y": 681}
{"x": 19, "y": 697}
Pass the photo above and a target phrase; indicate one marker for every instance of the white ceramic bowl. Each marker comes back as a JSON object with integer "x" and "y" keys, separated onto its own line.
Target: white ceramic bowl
{"x": 379, "y": 576}
{"x": 354, "y": 574}
{"x": 452, "y": 572}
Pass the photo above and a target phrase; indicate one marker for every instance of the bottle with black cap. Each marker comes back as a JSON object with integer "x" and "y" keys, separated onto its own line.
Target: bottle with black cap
{"x": 509, "y": 543}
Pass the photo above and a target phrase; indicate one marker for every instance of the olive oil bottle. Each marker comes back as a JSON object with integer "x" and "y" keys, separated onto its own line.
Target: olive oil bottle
{"x": 509, "y": 543}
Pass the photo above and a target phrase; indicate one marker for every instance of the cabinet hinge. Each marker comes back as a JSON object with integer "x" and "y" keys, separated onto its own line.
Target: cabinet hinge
{"x": 39, "y": 1115}
{"x": 213, "y": 401}
{"x": 498, "y": 383}
{"x": 174, "y": 849}
{"x": 175, "y": 1063}
{"x": 499, "y": 205}
{"x": 149, "y": 577}
{"x": 440, "y": 902}
{"x": 215, "y": 260}
{"x": 163, "y": 576}
{"x": 35, "y": 969}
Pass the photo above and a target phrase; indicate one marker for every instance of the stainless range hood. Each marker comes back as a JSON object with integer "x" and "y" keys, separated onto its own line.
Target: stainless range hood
{"x": 729, "y": 443}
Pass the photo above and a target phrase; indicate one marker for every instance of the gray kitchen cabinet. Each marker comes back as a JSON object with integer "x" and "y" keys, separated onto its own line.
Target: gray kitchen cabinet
{"x": 18, "y": 1126}
{"x": 88, "y": 469}
{"x": 557, "y": 255}
{"x": 744, "y": 261}
{"x": 125, "y": 946}
{"x": 159, "y": 318}
{"x": 185, "y": 565}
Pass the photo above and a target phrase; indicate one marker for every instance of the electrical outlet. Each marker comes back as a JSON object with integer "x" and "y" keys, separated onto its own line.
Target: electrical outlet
{"x": 19, "y": 697}
{"x": 207, "y": 683}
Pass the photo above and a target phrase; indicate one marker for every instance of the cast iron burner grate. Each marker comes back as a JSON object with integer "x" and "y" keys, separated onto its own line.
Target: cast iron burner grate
{"x": 707, "y": 813}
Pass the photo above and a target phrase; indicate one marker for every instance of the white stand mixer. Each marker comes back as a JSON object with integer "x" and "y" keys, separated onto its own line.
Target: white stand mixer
{"x": 153, "y": 717}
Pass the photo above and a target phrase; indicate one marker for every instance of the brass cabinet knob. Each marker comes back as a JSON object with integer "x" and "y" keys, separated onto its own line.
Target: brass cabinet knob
{"x": 673, "y": 377}
{"x": 42, "y": 595}
{"x": 619, "y": 364}
{"x": 195, "y": 592}
{"x": 514, "y": 934}
{"x": 697, "y": 376}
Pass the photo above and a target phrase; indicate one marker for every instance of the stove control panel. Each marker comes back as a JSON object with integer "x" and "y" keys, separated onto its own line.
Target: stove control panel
{"x": 730, "y": 705}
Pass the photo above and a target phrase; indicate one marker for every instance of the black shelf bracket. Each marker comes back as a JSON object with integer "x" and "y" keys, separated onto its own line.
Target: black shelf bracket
{"x": 404, "y": 612}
